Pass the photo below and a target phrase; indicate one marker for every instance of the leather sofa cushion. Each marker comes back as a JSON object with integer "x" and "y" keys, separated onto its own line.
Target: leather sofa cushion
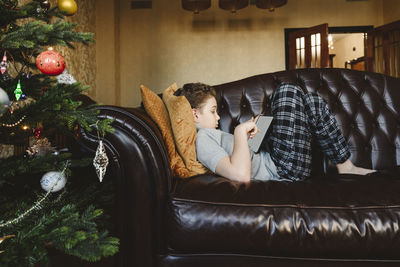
{"x": 340, "y": 216}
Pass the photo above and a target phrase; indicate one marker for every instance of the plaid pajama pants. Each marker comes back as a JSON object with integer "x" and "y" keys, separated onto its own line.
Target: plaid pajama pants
{"x": 298, "y": 116}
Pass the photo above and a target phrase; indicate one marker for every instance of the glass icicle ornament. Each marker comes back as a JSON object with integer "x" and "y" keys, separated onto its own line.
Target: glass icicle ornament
{"x": 3, "y": 64}
{"x": 100, "y": 161}
{"x": 18, "y": 91}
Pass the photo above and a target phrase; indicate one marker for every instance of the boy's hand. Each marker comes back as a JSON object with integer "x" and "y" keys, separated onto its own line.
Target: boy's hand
{"x": 249, "y": 127}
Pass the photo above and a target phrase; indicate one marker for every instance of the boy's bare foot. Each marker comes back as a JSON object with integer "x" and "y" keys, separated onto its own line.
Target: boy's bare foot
{"x": 348, "y": 167}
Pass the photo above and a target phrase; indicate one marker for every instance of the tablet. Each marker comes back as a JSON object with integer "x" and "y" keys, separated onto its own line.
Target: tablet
{"x": 263, "y": 123}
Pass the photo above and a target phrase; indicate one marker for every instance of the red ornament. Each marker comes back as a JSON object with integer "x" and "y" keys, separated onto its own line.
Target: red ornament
{"x": 50, "y": 62}
{"x": 37, "y": 131}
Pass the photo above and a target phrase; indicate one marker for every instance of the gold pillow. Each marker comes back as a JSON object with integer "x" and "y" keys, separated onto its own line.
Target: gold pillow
{"x": 184, "y": 129}
{"x": 155, "y": 107}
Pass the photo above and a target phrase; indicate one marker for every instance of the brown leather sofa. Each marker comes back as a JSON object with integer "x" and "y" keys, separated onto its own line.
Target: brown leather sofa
{"x": 329, "y": 220}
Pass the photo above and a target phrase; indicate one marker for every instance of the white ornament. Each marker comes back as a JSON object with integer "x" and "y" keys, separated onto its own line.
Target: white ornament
{"x": 4, "y": 100}
{"x": 54, "y": 181}
{"x": 66, "y": 78}
{"x": 100, "y": 161}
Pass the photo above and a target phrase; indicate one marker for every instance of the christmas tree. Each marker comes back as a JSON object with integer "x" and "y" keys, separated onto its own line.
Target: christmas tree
{"x": 42, "y": 207}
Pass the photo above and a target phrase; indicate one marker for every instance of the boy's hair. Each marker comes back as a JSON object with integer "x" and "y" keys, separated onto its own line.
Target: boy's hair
{"x": 196, "y": 93}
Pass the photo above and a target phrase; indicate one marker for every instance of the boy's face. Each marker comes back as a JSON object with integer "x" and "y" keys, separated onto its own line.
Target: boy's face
{"x": 206, "y": 116}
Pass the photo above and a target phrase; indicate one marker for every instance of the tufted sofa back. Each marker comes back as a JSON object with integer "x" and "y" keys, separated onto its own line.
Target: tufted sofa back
{"x": 366, "y": 106}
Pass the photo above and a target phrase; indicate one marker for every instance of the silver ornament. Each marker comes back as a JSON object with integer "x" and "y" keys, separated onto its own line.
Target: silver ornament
{"x": 66, "y": 78}
{"x": 100, "y": 161}
{"x": 4, "y": 101}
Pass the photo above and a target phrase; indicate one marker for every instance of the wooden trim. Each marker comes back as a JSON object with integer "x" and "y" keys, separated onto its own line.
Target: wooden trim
{"x": 292, "y": 52}
{"x": 322, "y": 29}
{"x": 369, "y": 52}
{"x": 324, "y": 47}
{"x": 382, "y": 31}
{"x": 388, "y": 27}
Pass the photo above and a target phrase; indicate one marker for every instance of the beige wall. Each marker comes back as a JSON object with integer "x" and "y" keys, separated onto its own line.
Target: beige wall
{"x": 168, "y": 44}
{"x": 343, "y": 49}
{"x": 107, "y": 53}
{"x": 391, "y": 11}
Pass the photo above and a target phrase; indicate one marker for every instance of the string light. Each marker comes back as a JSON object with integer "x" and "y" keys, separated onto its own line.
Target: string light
{"x": 13, "y": 124}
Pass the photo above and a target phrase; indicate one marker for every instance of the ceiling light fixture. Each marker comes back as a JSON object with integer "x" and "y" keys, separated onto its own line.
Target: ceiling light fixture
{"x": 270, "y": 4}
{"x": 196, "y": 5}
{"x": 233, "y": 5}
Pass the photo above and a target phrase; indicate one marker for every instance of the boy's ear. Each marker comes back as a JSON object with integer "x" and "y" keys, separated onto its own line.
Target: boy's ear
{"x": 195, "y": 116}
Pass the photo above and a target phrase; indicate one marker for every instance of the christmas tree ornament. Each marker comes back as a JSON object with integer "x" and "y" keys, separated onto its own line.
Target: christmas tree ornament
{"x": 18, "y": 91}
{"x": 66, "y": 78}
{"x": 68, "y": 7}
{"x": 41, "y": 147}
{"x": 37, "y": 131}
{"x": 3, "y": 64}
{"x": 21, "y": 103}
{"x": 4, "y": 101}
{"x": 50, "y": 62}
{"x": 5, "y": 76}
{"x": 53, "y": 181}
{"x": 100, "y": 161}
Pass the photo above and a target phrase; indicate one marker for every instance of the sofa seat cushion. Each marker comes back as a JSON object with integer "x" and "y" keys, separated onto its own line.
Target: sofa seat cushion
{"x": 339, "y": 217}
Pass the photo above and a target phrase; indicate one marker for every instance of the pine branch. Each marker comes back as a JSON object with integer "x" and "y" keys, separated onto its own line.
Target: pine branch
{"x": 34, "y": 35}
{"x": 17, "y": 166}
{"x": 10, "y": 12}
{"x": 68, "y": 220}
{"x": 57, "y": 110}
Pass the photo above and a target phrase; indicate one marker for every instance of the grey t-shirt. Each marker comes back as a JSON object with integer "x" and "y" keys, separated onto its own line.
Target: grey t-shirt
{"x": 212, "y": 145}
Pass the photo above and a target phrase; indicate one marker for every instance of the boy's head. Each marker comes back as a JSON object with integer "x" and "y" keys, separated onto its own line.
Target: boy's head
{"x": 204, "y": 105}
{"x": 197, "y": 93}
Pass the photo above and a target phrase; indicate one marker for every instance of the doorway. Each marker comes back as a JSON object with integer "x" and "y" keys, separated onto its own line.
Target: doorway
{"x": 346, "y": 50}
{"x": 346, "y": 46}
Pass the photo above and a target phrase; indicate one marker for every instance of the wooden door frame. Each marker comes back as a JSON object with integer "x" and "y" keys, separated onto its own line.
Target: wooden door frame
{"x": 383, "y": 30}
{"x": 322, "y": 29}
{"x": 345, "y": 29}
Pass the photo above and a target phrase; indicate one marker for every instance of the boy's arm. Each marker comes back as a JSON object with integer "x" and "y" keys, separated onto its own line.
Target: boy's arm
{"x": 238, "y": 166}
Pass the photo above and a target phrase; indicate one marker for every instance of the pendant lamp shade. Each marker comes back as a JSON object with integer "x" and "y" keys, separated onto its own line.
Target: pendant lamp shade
{"x": 270, "y": 4}
{"x": 233, "y": 5}
{"x": 196, "y": 5}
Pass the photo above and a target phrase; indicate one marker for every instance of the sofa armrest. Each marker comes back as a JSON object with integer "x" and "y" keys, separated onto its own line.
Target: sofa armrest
{"x": 140, "y": 167}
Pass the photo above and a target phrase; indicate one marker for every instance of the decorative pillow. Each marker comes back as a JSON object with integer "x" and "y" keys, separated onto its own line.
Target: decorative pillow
{"x": 155, "y": 107}
{"x": 184, "y": 129}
